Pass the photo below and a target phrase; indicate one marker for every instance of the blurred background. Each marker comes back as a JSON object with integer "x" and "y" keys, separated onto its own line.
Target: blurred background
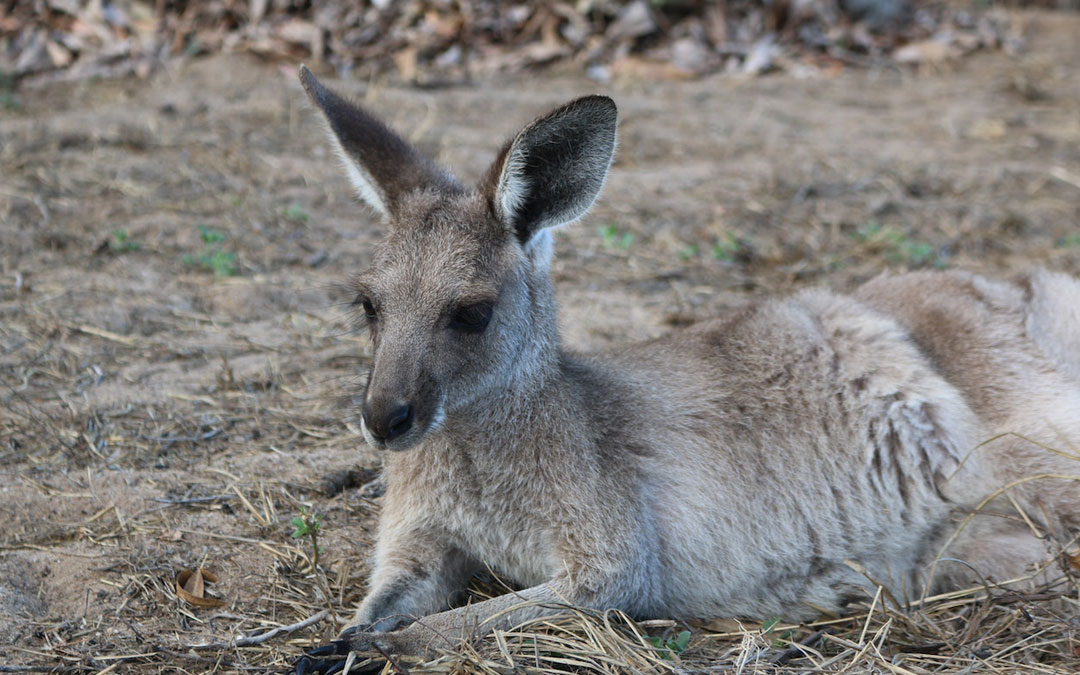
{"x": 453, "y": 42}
{"x": 177, "y": 358}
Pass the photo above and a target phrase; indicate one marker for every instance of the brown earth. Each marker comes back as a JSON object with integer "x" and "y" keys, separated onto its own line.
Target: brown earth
{"x": 134, "y": 381}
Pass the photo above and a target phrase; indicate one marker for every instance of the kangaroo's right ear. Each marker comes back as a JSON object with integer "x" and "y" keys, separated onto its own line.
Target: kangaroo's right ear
{"x": 381, "y": 165}
{"x": 553, "y": 170}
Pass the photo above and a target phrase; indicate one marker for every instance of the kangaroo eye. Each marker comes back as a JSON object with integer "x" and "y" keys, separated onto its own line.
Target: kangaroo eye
{"x": 472, "y": 318}
{"x": 364, "y": 303}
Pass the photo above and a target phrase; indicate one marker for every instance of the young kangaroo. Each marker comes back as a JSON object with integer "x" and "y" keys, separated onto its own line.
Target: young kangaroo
{"x": 777, "y": 462}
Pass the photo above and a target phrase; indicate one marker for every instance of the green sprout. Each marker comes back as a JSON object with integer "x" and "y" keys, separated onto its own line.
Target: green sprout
{"x": 8, "y": 101}
{"x": 898, "y": 247}
{"x": 210, "y": 236}
{"x": 308, "y": 525}
{"x": 213, "y": 258}
{"x": 296, "y": 213}
{"x": 689, "y": 252}
{"x": 121, "y": 241}
{"x": 1070, "y": 241}
{"x": 768, "y": 632}
{"x": 615, "y": 238}
{"x": 725, "y": 247}
{"x": 674, "y": 645}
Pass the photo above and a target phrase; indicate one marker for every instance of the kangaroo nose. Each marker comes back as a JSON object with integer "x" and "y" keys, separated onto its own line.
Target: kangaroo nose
{"x": 389, "y": 420}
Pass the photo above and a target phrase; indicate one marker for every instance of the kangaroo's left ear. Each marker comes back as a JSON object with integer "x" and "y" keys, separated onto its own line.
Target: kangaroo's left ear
{"x": 553, "y": 170}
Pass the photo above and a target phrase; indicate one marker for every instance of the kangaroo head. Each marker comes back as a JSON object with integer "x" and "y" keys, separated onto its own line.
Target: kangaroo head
{"x": 458, "y": 298}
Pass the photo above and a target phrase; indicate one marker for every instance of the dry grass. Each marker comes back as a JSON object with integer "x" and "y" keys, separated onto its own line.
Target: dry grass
{"x": 980, "y": 629}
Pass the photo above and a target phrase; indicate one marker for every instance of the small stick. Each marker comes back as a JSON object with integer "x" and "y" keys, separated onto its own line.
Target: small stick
{"x": 106, "y": 334}
{"x": 796, "y": 651}
{"x": 193, "y": 500}
{"x": 263, "y": 637}
{"x": 394, "y": 663}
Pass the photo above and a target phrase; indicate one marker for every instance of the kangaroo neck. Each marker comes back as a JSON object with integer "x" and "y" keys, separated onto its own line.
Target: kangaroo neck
{"x": 535, "y": 399}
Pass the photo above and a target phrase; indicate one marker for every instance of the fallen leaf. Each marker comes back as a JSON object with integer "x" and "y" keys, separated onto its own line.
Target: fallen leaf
{"x": 987, "y": 129}
{"x": 58, "y": 54}
{"x": 761, "y": 56}
{"x": 445, "y": 27}
{"x": 256, "y": 10}
{"x": 405, "y": 60}
{"x": 927, "y": 51}
{"x": 690, "y": 55}
{"x": 634, "y": 20}
{"x": 636, "y": 68}
{"x": 191, "y": 587}
{"x": 298, "y": 31}
{"x": 1074, "y": 557}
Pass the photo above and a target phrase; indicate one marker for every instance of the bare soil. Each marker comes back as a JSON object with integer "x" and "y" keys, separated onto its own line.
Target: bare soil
{"x": 156, "y": 417}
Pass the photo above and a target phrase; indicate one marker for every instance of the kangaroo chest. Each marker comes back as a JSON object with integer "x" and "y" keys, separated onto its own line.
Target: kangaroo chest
{"x": 497, "y": 515}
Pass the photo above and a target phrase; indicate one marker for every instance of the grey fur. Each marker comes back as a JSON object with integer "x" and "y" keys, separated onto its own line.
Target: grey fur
{"x": 748, "y": 466}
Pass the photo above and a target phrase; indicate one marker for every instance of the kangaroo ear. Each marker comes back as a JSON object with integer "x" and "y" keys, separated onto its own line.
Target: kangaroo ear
{"x": 553, "y": 170}
{"x": 381, "y": 165}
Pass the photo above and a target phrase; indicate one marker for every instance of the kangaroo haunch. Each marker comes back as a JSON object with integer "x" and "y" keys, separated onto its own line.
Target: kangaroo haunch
{"x": 734, "y": 468}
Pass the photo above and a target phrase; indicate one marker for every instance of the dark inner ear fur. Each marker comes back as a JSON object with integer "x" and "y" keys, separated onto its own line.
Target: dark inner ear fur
{"x": 393, "y": 164}
{"x": 561, "y": 161}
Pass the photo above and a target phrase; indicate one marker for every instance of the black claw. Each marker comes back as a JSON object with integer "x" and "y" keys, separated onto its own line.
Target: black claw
{"x": 335, "y": 667}
{"x": 310, "y": 663}
{"x": 335, "y": 648}
{"x": 308, "y": 666}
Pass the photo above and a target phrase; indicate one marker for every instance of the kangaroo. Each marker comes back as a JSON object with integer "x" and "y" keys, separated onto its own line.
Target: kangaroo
{"x": 781, "y": 461}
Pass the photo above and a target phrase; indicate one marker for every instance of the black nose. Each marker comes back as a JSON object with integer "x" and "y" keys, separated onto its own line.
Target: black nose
{"x": 387, "y": 421}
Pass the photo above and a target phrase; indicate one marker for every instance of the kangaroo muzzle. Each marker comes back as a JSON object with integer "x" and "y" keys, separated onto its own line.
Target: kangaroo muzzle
{"x": 387, "y": 419}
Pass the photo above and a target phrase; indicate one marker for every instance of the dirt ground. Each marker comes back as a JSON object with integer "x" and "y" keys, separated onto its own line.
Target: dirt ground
{"x": 177, "y": 362}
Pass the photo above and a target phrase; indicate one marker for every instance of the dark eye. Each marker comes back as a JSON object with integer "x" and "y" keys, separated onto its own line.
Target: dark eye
{"x": 364, "y": 303}
{"x": 471, "y": 318}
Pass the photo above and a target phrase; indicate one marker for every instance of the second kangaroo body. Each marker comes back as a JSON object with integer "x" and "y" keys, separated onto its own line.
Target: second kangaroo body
{"x": 777, "y": 462}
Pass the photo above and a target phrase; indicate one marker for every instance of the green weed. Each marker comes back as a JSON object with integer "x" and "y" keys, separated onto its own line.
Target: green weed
{"x": 616, "y": 238}
{"x": 296, "y": 213}
{"x": 725, "y": 247}
{"x": 213, "y": 257}
{"x": 121, "y": 241}
{"x": 308, "y": 525}
{"x": 776, "y": 641}
{"x": 897, "y": 246}
{"x": 210, "y": 236}
{"x": 8, "y": 101}
{"x": 674, "y": 645}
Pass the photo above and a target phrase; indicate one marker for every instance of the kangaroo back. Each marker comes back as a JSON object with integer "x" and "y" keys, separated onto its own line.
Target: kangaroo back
{"x": 1053, "y": 317}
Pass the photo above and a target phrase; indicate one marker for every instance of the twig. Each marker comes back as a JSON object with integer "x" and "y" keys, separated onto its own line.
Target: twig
{"x": 263, "y": 637}
{"x": 1065, "y": 176}
{"x": 106, "y": 334}
{"x": 797, "y": 650}
{"x": 193, "y": 500}
{"x": 394, "y": 663}
{"x": 216, "y": 660}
